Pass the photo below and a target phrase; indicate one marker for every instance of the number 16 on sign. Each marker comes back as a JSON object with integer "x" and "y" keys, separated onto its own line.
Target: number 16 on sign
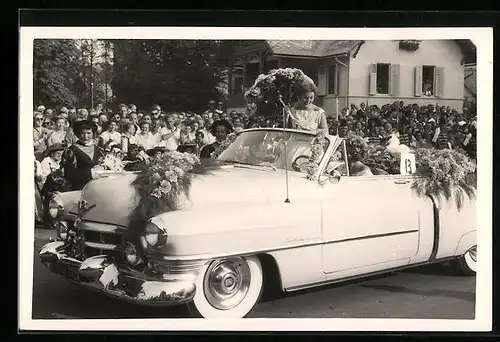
{"x": 407, "y": 166}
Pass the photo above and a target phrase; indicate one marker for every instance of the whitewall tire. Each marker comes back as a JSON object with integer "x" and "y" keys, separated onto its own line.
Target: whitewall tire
{"x": 228, "y": 288}
{"x": 467, "y": 263}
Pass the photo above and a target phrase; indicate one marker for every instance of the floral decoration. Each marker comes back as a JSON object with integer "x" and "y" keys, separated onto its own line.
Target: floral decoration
{"x": 318, "y": 147}
{"x": 160, "y": 183}
{"x": 264, "y": 93}
{"x": 409, "y": 45}
{"x": 446, "y": 173}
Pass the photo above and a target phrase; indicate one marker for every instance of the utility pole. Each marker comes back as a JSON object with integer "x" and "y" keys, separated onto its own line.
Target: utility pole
{"x": 91, "y": 73}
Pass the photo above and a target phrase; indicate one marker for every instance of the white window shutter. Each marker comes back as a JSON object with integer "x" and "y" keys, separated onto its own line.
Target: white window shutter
{"x": 322, "y": 80}
{"x": 394, "y": 79}
{"x": 418, "y": 80}
{"x": 438, "y": 81}
{"x": 373, "y": 79}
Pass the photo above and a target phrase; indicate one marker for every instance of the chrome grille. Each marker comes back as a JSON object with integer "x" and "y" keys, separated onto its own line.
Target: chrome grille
{"x": 100, "y": 239}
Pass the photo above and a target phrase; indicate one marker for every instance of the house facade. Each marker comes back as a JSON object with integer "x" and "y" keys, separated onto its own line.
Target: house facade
{"x": 470, "y": 82}
{"x": 353, "y": 71}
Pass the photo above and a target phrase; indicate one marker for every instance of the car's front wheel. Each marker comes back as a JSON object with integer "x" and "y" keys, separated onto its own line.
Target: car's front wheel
{"x": 467, "y": 263}
{"x": 228, "y": 288}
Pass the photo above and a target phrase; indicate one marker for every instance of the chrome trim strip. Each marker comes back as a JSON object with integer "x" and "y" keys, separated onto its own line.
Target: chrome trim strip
{"x": 100, "y": 227}
{"x": 291, "y": 246}
{"x": 103, "y": 246}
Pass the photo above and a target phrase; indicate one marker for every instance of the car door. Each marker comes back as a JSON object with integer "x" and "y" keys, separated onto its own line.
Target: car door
{"x": 369, "y": 223}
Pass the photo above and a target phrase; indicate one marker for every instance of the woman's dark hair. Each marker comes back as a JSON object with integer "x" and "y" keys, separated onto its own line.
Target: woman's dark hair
{"x": 302, "y": 87}
{"x": 142, "y": 122}
{"x": 127, "y": 126}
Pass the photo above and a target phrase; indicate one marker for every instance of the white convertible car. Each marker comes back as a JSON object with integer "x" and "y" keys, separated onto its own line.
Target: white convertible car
{"x": 251, "y": 224}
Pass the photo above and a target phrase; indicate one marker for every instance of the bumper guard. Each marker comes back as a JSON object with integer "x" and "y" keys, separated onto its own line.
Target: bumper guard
{"x": 100, "y": 273}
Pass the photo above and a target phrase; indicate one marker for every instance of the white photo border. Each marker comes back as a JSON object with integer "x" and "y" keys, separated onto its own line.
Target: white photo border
{"x": 481, "y": 37}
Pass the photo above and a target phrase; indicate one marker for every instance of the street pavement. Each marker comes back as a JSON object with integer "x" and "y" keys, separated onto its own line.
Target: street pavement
{"x": 424, "y": 292}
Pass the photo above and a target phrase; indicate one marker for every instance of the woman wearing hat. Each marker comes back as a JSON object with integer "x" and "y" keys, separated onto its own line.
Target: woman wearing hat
{"x": 220, "y": 129}
{"x": 156, "y": 152}
{"x": 79, "y": 158}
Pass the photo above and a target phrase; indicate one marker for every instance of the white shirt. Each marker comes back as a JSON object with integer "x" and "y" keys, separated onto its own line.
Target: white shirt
{"x": 208, "y": 138}
{"x": 47, "y": 166}
{"x": 173, "y": 142}
{"x": 107, "y": 136}
{"x": 145, "y": 140}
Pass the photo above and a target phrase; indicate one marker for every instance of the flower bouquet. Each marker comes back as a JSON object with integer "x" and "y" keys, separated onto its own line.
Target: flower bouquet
{"x": 446, "y": 173}
{"x": 111, "y": 163}
{"x": 265, "y": 93}
{"x": 161, "y": 184}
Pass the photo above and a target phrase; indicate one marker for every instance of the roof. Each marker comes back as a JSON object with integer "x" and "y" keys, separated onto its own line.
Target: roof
{"x": 326, "y": 48}
{"x": 312, "y": 48}
{"x": 300, "y": 48}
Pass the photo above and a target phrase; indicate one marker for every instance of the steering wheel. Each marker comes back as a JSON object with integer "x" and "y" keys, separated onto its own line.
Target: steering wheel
{"x": 300, "y": 163}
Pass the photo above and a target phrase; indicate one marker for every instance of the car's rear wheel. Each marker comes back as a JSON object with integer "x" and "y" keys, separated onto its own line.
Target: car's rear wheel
{"x": 467, "y": 263}
{"x": 228, "y": 288}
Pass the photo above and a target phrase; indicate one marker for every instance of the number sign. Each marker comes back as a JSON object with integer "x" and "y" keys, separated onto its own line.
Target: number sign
{"x": 407, "y": 166}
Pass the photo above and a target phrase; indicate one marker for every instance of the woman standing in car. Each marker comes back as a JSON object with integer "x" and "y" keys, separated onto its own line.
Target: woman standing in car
{"x": 78, "y": 160}
{"x": 304, "y": 114}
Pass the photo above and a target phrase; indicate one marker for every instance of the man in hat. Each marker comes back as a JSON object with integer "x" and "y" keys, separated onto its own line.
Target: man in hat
{"x": 78, "y": 160}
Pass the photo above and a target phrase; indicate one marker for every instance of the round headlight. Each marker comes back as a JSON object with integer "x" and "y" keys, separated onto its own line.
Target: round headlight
{"x": 155, "y": 237}
{"x": 55, "y": 207}
{"x": 62, "y": 230}
{"x": 130, "y": 254}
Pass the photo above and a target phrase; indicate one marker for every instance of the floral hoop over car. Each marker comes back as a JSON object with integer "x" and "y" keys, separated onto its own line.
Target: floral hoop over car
{"x": 265, "y": 93}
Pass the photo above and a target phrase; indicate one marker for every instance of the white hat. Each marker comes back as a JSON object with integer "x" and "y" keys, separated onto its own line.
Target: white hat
{"x": 461, "y": 123}
{"x": 431, "y": 120}
{"x": 40, "y": 108}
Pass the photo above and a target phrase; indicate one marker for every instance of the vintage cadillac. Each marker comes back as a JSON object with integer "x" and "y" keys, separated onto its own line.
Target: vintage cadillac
{"x": 251, "y": 224}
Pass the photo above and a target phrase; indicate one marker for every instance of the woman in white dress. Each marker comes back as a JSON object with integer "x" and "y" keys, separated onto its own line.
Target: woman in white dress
{"x": 304, "y": 114}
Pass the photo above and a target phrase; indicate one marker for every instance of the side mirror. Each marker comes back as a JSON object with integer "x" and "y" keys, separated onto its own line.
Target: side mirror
{"x": 332, "y": 178}
{"x": 335, "y": 177}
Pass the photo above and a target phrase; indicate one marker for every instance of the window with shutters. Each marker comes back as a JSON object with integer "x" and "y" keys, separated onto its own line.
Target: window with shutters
{"x": 333, "y": 80}
{"x": 428, "y": 81}
{"x": 383, "y": 78}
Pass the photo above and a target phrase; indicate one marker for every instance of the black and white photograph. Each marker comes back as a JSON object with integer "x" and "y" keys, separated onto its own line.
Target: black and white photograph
{"x": 280, "y": 182}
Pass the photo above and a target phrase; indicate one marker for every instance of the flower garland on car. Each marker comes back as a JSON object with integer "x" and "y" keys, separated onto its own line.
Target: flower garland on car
{"x": 160, "y": 184}
{"x": 318, "y": 147}
{"x": 440, "y": 173}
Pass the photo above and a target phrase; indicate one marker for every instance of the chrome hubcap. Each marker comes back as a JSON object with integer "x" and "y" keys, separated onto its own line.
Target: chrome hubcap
{"x": 226, "y": 283}
{"x": 472, "y": 253}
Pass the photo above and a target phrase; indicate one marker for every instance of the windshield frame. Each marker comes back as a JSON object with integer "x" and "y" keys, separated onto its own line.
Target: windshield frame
{"x": 333, "y": 143}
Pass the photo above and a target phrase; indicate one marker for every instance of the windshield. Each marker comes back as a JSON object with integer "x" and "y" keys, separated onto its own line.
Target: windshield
{"x": 264, "y": 147}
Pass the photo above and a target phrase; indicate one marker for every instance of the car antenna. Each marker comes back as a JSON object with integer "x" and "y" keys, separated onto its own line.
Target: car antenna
{"x": 280, "y": 99}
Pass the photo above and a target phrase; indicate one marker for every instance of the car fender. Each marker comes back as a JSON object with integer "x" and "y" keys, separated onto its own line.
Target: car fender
{"x": 467, "y": 241}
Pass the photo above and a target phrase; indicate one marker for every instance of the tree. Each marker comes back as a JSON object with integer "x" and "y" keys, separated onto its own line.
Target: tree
{"x": 55, "y": 64}
{"x": 178, "y": 74}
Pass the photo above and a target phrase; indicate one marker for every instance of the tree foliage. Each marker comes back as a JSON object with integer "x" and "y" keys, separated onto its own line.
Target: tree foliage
{"x": 55, "y": 71}
{"x": 178, "y": 74}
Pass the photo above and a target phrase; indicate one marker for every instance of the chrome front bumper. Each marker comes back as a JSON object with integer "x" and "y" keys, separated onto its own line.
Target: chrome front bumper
{"x": 101, "y": 274}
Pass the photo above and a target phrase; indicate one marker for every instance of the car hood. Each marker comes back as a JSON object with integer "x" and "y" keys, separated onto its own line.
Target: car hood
{"x": 111, "y": 199}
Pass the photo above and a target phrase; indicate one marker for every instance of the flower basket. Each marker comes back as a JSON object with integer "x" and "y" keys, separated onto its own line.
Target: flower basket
{"x": 265, "y": 92}
{"x": 409, "y": 45}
